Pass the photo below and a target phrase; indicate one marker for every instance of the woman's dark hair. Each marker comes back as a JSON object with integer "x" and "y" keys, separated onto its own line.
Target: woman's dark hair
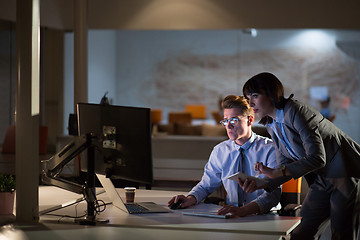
{"x": 268, "y": 84}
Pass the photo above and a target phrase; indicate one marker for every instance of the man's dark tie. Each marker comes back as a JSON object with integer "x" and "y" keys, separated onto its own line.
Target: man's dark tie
{"x": 241, "y": 193}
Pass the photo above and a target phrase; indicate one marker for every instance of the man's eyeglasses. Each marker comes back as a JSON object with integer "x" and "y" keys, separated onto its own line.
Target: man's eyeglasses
{"x": 232, "y": 121}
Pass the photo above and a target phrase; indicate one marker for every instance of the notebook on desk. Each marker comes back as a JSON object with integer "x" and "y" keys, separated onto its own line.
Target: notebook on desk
{"x": 131, "y": 208}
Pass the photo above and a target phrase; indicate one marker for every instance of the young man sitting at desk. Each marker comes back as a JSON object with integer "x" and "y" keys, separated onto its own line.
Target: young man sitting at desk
{"x": 239, "y": 153}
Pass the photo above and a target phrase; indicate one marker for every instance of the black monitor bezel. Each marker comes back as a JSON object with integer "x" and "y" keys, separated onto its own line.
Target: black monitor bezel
{"x": 136, "y": 122}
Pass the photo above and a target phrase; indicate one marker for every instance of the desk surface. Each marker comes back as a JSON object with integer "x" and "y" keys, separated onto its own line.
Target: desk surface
{"x": 64, "y": 231}
{"x": 257, "y": 224}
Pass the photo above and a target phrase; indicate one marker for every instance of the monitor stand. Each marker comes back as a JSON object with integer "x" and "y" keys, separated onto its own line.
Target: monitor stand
{"x": 52, "y": 167}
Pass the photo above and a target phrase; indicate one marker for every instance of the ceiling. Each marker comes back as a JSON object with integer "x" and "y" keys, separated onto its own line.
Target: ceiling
{"x": 197, "y": 14}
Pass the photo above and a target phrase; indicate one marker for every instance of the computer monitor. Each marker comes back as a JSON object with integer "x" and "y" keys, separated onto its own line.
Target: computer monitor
{"x": 123, "y": 136}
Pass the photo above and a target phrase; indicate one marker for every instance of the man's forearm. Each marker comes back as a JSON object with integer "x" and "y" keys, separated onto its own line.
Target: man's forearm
{"x": 250, "y": 208}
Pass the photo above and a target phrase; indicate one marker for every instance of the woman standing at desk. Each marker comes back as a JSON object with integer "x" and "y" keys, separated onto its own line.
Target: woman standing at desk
{"x": 309, "y": 145}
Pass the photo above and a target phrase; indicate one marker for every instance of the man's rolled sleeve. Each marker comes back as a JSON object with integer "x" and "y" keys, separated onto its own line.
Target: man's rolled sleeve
{"x": 268, "y": 200}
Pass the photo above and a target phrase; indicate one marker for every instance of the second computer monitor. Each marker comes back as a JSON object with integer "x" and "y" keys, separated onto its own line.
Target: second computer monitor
{"x": 122, "y": 137}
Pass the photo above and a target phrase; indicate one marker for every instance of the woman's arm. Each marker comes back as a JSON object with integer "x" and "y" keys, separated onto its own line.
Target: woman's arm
{"x": 302, "y": 125}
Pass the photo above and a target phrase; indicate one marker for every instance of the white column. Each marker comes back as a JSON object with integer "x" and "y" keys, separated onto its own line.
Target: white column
{"x": 80, "y": 52}
{"x": 27, "y": 110}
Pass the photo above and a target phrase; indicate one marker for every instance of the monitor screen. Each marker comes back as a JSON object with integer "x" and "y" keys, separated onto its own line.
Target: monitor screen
{"x": 122, "y": 140}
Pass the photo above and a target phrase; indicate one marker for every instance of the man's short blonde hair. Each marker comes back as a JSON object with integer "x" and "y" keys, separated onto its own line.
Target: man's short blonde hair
{"x": 240, "y": 102}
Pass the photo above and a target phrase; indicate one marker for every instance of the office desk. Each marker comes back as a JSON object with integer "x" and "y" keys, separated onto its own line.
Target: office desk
{"x": 50, "y": 231}
{"x": 266, "y": 225}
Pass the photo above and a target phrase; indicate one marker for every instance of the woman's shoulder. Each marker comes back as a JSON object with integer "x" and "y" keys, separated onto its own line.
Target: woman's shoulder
{"x": 301, "y": 114}
{"x": 293, "y": 107}
{"x": 293, "y": 104}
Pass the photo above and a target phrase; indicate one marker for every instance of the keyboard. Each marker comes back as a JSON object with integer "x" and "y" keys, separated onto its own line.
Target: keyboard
{"x": 206, "y": 214}
{"x": 135, "y": 208}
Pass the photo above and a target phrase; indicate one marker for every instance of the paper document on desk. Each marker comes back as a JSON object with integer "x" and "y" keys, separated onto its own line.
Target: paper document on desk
{"x": 243, "y": 176}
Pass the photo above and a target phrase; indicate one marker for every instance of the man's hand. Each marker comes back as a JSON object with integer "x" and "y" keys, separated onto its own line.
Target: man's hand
{"x": 233, "y": 211}
{"x": 248, "y": 209}
{"x": 186, "y": 201}
{"x": 248, "y": 186}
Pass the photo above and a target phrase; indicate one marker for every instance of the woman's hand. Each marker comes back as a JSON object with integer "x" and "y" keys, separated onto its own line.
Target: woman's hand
{"x": 268, "y": 172}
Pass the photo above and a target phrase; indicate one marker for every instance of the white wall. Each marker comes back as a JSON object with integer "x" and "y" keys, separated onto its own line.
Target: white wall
{"x": 168, "y": 69}
{"x": 68, "y": 78}
{"x": 102, "y": 65}
{"x": 140, "y": 53}
{"x": 101, "y": 69}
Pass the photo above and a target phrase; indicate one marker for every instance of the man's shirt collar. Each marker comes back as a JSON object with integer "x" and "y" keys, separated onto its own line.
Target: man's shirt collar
{"x": 280, "y": 116}
{"x": 246, "y": 145}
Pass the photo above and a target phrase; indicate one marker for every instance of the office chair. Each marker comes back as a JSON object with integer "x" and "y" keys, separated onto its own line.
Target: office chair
{"x": 217, "y": 116}
{"x": 156, "y": 116}
{"x": 180, "y": 117}
{"x": 197, "y": 111}
{"x": 10, "y": 142}
{"x": 290, "y": 198}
